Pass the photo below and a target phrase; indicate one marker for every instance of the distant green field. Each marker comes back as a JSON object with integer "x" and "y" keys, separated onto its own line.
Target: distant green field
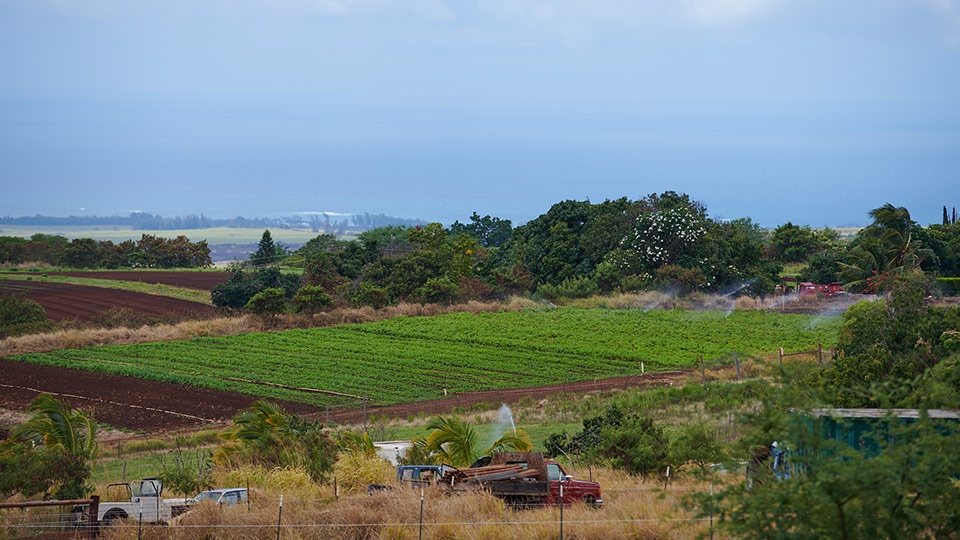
{"x": 213, "y": 236}
{"x": 414, "y": 359}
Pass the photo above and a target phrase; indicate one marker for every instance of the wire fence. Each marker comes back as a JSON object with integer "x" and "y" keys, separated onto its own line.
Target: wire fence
{"x": 295, "y": 517}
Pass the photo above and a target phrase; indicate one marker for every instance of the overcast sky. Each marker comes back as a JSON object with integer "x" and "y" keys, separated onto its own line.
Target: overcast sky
{"x": 810, "y": 111}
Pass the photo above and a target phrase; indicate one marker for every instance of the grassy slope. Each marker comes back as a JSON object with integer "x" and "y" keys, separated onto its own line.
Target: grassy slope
{"x": 413, "y": 359}
{"x": 192, "y": 295}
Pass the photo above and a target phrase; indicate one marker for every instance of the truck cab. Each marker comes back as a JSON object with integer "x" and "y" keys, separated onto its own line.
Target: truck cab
{"x": 573, "y": 489}
{"x": 421, "y": 475}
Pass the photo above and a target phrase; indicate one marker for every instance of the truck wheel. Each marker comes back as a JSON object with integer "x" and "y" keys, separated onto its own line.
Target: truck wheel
{"x": 111, "y": 516}
{"x": 591, "y": 501}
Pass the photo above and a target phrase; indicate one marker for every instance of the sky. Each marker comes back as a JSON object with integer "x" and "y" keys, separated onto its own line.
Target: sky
{"x": 808, "y": 111}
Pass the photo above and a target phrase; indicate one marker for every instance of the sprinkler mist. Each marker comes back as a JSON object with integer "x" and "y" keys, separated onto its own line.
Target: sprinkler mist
{"x": 504, "y": 424}
{"x": 506, "y": 415}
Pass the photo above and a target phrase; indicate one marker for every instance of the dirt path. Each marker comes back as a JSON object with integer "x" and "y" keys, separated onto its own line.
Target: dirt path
{"x": 151, "y": 406}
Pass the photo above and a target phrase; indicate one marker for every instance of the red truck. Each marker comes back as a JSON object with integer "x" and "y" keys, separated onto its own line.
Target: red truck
{"x": 523, "y": 479}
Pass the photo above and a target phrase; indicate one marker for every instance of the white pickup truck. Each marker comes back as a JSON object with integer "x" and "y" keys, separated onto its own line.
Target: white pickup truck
{"x": 145, "y": 503}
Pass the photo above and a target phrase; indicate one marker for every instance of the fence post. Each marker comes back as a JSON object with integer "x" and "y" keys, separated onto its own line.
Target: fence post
{"x": 421, "y": 514}
{"x": 93, "y": 526}
{"x": 820, "y": 353}
{"x": 279, "y": 516}
{"x": 561, "y": 510}
{"x": 736, "y": 361}
{"x": 780, "y": 355}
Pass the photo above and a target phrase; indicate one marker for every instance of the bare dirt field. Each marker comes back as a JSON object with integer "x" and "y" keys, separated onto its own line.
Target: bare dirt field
{"x": 65, "y": 302}
{"x": 189, "y": 280}
{"x": 150, "y": 406}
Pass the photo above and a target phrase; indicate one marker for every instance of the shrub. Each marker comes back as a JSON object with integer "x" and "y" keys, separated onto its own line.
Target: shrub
{"x": 696, "y": 443}
{"x": 368, "y": 294}
{"x": 311, "y": 299}
{"x": 578, "y": 287}
{"x": 20, "y": 315}
{"x": 268, "y": 302}
{"x": 440, "y": 290}
{"x": 637, "y": 446}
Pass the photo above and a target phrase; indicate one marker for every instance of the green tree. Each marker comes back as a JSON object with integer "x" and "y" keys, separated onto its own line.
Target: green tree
{"x": 792, "y": 243}
{"x": 488, "y": 231}
{"x": 631, "y": 443}
{"x": 696, "y": 443}
{"x": 823, "y": 267}
{"x": 83, "y": 253}
{"x": 266, "y": 251}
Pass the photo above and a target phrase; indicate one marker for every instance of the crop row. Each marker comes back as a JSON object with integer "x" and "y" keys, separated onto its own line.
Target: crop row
{"x": 413, "y": 359}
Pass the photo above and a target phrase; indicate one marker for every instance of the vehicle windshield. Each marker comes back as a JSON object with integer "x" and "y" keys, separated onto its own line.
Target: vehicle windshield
{"x": 207, "y": 496}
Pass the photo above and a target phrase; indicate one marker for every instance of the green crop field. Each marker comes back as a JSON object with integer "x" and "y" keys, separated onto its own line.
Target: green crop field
{"x": 413, "y": 359}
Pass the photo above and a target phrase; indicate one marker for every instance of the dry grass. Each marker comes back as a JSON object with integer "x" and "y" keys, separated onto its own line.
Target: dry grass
{"x": 633, "y": 508}
{"x": 77, "y": 338}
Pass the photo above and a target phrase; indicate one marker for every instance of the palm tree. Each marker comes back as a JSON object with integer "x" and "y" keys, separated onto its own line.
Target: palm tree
{"x": 267, "y": 435}
{"x": 55, "y": 424}
{"x": 458, "y": 443}
{"x": 358, "y": 443}
{"x": 884, "y": 249}
{"x": 61, "y": 446}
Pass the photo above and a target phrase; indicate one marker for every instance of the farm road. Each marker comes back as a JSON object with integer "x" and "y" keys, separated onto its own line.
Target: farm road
{"x": 151, "y": 406}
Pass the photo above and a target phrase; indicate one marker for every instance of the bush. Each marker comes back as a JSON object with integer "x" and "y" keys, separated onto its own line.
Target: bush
{"x": 698, "y": 444}
{"x": 20, "y": 315}
{"x": 627, "y": 442}
{"x": 368, "y": 294}
{"x": 440, "y": 290}
{"x": 578, "y": 287}
{"x": 311, "y": 299}
{"x": 637, "y": 446}
{"x": 268, "y": 302}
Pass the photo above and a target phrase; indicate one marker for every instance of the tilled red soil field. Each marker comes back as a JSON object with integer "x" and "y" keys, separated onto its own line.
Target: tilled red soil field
{"x": 188, "y": 280}
{"x": 65, "y": 302}
{"x": 150, "y": 406}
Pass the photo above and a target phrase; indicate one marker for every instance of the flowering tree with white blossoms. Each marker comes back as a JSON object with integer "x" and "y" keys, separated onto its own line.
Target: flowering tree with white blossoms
{"x": 664, "y": 237}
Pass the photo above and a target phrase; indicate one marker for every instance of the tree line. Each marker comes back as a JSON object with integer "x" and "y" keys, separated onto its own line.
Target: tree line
{"x": 147, "y": 252}
{"x": 577, "y": 249}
